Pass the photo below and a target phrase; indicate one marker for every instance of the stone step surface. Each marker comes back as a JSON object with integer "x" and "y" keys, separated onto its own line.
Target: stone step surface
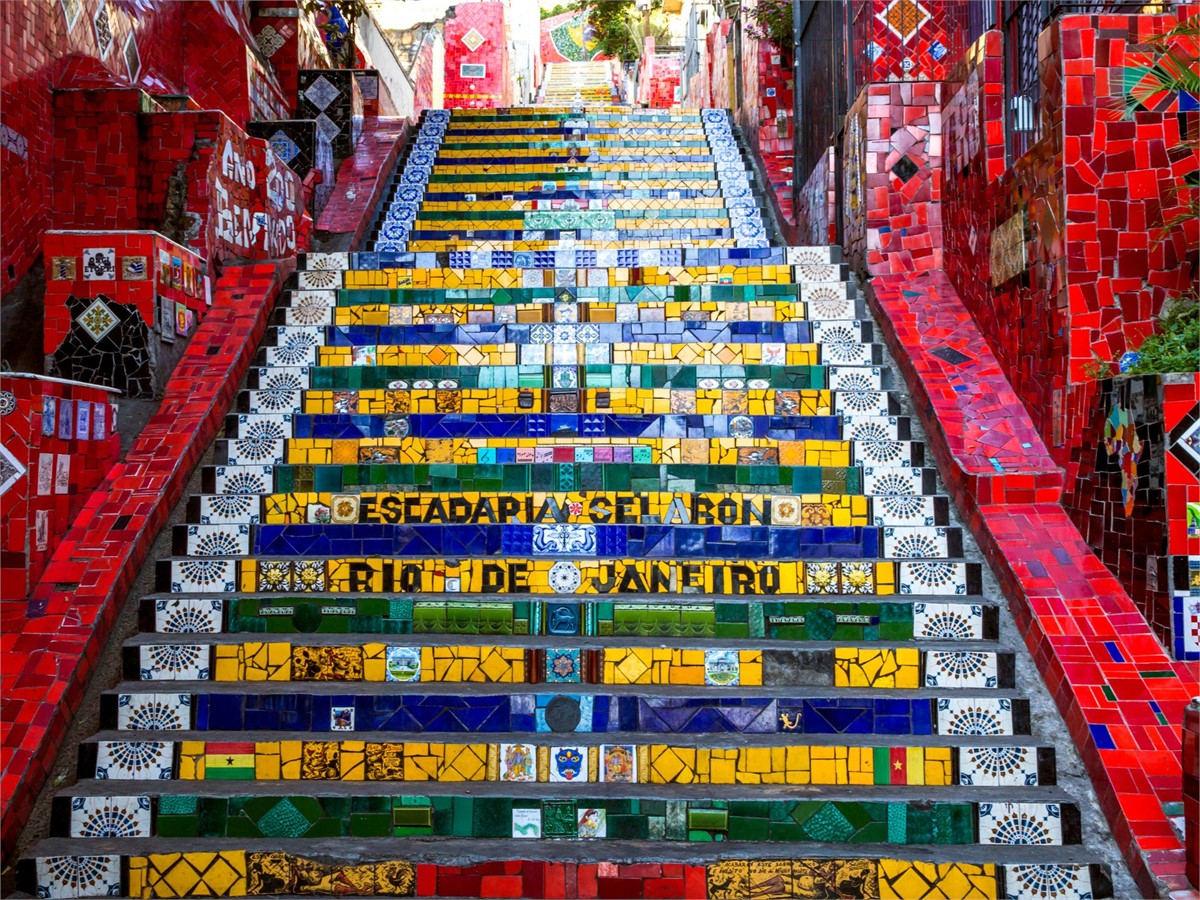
{"x": 569, "y": 479}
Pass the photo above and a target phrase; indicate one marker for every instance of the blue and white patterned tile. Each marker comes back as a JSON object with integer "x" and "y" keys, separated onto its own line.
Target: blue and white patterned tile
{"x": 228, "y": 509}
{"x": 256, "y": 448}
{"x": 855, "y": 378}
{"x": 933, "y": 577}
{"x": 919, "y": 542}
{"x": 174, "y": 662}
{"x": 1047, "y": 881}
{"x": 154, "y": 712}
{"x": 244, "y": 479}
{"x": 110, "y": 817}
{"x": 295, "y": 353}
{"x": 274, "y": 400}
{"x": 892, "y": 480}
{"x": 961, "y": 669}
{"x": 203, "y": 576}
{"x": 135, "y": 760}
{"x": 947, "y": 621}
{"x": 983, "y": 716}
{"x": 78, "y": 876}
{"x": 998, "y": 766}
{"x": 872, "y": 404}
{"x": 1026, "y": 824}
{"x": 873, "y": 448}
{"x": 188, "y": 615}
{"x": 903, "y": 509}
{"x": 218, "y": 540}
{"x": 870, "y": 428}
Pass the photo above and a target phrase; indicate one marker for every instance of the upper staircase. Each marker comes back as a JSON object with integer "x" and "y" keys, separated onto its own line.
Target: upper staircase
{"x": 571, "y": 478}
{"x": 579, "y": 84}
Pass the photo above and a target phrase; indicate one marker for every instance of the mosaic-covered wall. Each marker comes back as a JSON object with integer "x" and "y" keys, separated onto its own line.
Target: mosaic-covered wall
{"x": 906, "y": 40}
{"x": 817, "y": 211}
{"x": 1061, "y": 290}
{"x": 1136, "y": 498}
{"x": 333, "y": 99}
{"x": 200, "y": 49}
{"x": 568, "y": 38}
{"x": 658, "y": 83}
{"x": 477, "y": 57}
{"x": 58, "y": 439}
{"x": 116, "y": 303}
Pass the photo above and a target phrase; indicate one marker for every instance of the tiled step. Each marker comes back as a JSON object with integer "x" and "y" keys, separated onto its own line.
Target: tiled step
{"x": 601, "y": 540}
{"x": 846, "y": 380}
{"x": 527, "y": 873}
{"x": 898, "y": 822}
{"x": 268, "y": 450}
{"x": 322, "y": 708}
{"x": 907, "y": 488}
{"x": 555, "y": 660}
{"x": 726, "y": 509}
{"x": 516, "y": 575}
{"x": 949, "y": 768}
{"x": 448, "y": 395}
{"x": 840, "y": 342}
{"x": 896, "y": 619}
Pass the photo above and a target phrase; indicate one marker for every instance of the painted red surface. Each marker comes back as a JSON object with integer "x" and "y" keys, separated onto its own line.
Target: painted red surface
{"x": 55, "y": 639}
{"x": 63, "y": 435}
{"x": 201, "y": 49}
{"x": 481, "y": 25}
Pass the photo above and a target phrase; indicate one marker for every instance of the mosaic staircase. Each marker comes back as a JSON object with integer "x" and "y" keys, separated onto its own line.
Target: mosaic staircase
{"x": 566, "y": 531}
{"x": 578, "y": 84}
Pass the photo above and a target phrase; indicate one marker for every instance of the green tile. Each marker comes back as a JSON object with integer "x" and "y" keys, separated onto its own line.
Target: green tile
{"x": 559, "y": 818}
{"x": 370, "y": 825}
{"x": 175, "y": 826}
{"x": 708, "y": 819}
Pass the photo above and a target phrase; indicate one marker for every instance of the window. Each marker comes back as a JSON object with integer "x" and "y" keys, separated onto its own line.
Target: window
{"x": 472, "y": 70}
{"x": 1023, "y": 21}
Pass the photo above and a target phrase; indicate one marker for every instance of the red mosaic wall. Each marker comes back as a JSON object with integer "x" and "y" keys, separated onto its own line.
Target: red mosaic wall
{"x": 58, "y": 635}
{"x": 59, "y": 441}
{"x": 1136, "y": 474}
{"x": 482, "y": 26}
{"x": 290, "y": 42}
{"x": 166, "y": 48}
{"x": 992, "y": 433}
{"x": 1079, "y": 270}
{"x": 906, "y": 40}
{"x": 658, "y": 82}
{"x": 148, "y": 271}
